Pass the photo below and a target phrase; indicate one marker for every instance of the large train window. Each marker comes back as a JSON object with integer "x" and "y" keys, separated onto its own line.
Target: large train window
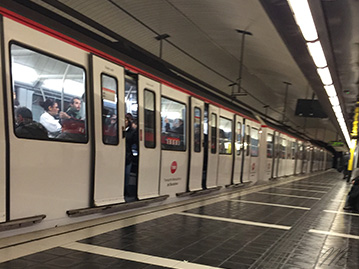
{"x": 173, "y": 118}
{"x": 109, "y": 110}
{"x": 269, "y": 146}
{"x": 214, "y": 133}
{"x": 225, "y": 136}
{"x": 197, "y": 129}
{"x": 254, "y": 142}
{"x": 239, "y": 138}
{"x": 150, "y": 119}
{"x": 48, "y": 96}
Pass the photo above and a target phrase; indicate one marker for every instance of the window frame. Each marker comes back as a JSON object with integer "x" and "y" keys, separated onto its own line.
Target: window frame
{"x": 117, "y": 107}
{"x": 154, "y": 115}
{"x": 185, "y": 132}
{"x": 200, "y": 129}
{"x": 214, "y": 150}
{"x": 221, "y": 117}
{"x": 59, "y": 58}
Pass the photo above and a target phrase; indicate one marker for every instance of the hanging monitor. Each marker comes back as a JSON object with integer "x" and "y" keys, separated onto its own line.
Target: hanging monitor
{"x": 309, "y": 108}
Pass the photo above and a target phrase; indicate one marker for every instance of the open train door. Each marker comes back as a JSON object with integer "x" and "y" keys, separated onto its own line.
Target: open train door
{"x": 213, "y": 146}
{"x": 149, "y": 107}
{"x": 196, "y": 149}
{"x": 110, "y": 144}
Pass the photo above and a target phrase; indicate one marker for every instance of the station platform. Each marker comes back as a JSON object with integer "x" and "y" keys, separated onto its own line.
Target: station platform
{"x": 294, "y": 222}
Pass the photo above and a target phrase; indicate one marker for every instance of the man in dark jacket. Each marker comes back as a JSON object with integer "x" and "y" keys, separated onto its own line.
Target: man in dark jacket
{"x": 26, "y": 127}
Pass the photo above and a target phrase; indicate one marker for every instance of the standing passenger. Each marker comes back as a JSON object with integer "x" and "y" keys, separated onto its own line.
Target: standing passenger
{"x": 130, "y": 141}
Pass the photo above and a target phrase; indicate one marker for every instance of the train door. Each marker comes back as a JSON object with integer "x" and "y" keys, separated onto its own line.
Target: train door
{"x": 283, "y": 156}
{"x": 213, "y": 148}
{"x": 225, "y": 148}
{"x": 174, "y": 141}
{"x": 238, "y": 154}
{"x": 247, "y": 152}
{"x": 196, "y": 149}
{"x": 268, "y": 154}
{"x": 110, "y": 144}
{"x": 149, "y": 158}
{"x": 2, "y": 145}
{"x": 299, "y": 158}
{"x": 49, "y": 168}
{"x": 290, "y": 157}
{"x": 276, "y": 157}
{"x": 254, "y": 155}
{"x": 305, "y": 159}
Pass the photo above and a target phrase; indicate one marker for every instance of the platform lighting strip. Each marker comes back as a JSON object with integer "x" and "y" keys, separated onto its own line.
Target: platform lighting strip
{"x": 304, "y": 19}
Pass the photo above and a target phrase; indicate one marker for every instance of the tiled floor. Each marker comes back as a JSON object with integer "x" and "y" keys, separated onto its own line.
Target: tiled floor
{"x": 290, "y": 223}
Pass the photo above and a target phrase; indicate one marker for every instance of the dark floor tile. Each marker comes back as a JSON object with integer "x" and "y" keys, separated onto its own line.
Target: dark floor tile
{"x": 64, "y": 262}
{"x": 234, "y": 265}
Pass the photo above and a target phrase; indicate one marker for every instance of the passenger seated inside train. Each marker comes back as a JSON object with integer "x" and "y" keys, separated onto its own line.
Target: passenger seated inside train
{"x": 110, "y": 129}
{"x": 73, "y": 126}
{"x": 352, "y": 201}
{"x": 48, "y": 120}
{"x": 26, "y": 127}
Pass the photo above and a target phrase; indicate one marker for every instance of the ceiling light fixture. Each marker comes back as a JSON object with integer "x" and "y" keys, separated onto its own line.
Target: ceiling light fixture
{"x": 303, "y": 17}
{"x": 325, "y": 76}
{"x": 331, "y": 92}
{"x": 316, "y": 50}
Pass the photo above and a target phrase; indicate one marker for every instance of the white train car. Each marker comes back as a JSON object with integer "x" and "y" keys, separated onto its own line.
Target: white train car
{"x": 182, "y": 142}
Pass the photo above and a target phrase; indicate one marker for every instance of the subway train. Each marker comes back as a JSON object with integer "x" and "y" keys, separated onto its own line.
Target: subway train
{"x": 185, "y": 141}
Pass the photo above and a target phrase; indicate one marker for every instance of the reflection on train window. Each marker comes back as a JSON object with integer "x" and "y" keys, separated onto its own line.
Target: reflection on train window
{"x": 239, "y": 137}
{"x": 197, "y": 129}
{"x": 214, "y": 133}
{"x": 173, "y": 118}
{"x": 109, "y": 110}
{"x": 254, "y": 142}
{"x": 283, "y": 148}
{"x": 51, "y": 95}
{"x": 269, "y": 146}
{"x": 225, "y": 136}
{"x": 150, "y": 119}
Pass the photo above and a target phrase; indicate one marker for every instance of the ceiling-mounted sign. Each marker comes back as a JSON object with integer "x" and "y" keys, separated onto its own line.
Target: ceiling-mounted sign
{"x": 336, "y": 143}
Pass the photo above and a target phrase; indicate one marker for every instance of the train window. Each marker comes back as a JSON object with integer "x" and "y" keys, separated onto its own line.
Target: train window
{"x": 173, "y": 115}
{"x": 239, "y": 138}
{"x": 283, "y": 149}
{"x": 225, "y": 136}
{"x": 214, "y": 133}
{"x": 197, "y": 129}
{"x": 150, "y": 119}
{"x": 254, "y": 142}
{"x": 294, "y": 149}
{"x": 109, "y": 110}
{"x": 269, "y": 146}
{"x": 248, "y": 141}
{"x": 51, "y": 95}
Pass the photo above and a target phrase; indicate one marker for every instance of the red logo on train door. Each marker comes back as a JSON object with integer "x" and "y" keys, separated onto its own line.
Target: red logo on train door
{"x": 173, "y": 167}
{"x": 253, "y": 166}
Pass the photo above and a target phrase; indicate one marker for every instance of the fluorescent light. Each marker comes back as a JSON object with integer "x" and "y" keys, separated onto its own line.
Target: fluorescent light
{"x": 304, "y": 19}
{"x": 331, "y": 92}
{"x": 23, "y": 73}
{"x": 316, "y": 50}
{"x": 337, "y": 109}
{"x": 334, "y": 101}
{"x": 325, "y": 75}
